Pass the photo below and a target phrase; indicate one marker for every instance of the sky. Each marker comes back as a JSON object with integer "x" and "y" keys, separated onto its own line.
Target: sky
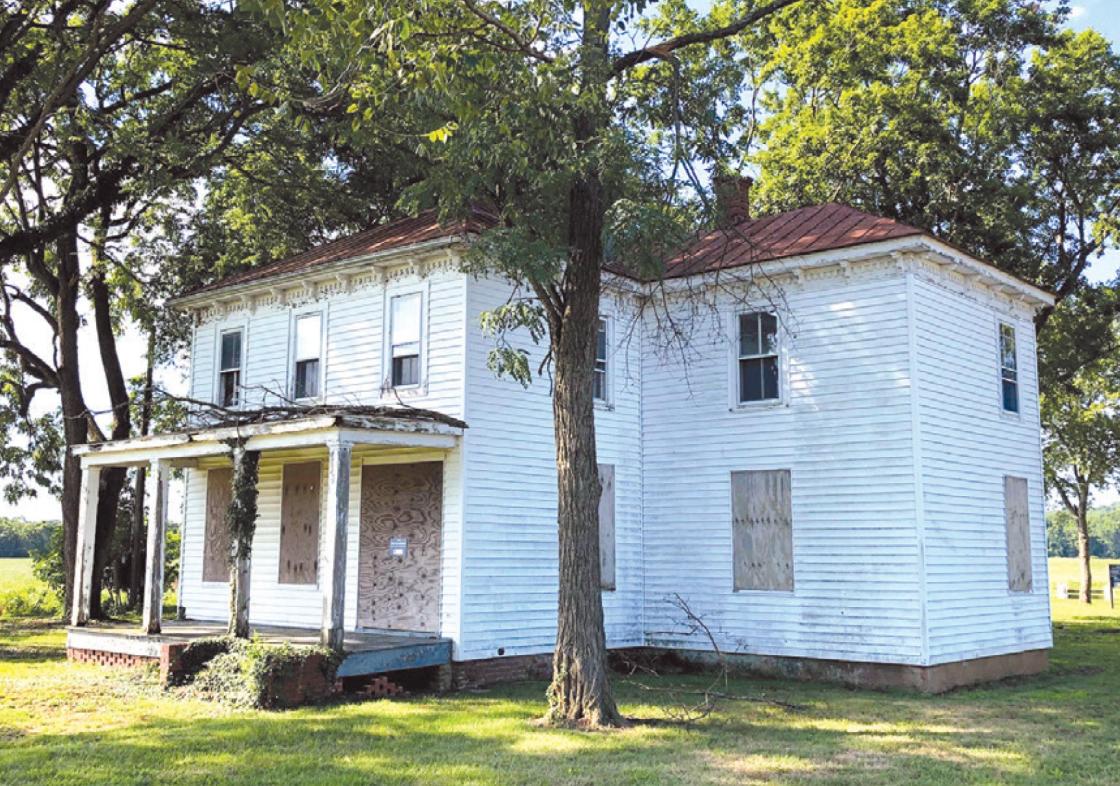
{"x": 1104, "y": 15}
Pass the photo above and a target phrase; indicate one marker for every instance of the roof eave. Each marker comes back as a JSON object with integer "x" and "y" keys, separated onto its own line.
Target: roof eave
{"x": 919, "y": 242}
{"x": 322, "y": 272}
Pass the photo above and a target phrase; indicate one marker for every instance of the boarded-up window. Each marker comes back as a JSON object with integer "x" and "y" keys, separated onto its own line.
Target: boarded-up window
{"x": 762, "y": 530}
{"x": 606, "y": 527}
{"x": 215, "y": 551}
{"x": 1017, "y": 517}
{"x": 299, "y": 524}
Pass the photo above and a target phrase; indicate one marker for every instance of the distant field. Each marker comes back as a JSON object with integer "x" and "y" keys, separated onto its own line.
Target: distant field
{"x": 15, "y": 573}
{"x": 1068, "y": 569}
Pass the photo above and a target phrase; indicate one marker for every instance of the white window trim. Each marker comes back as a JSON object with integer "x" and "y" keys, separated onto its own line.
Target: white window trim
{"x": 1008, "y": 320}
{"x": 294, "y": 316}
{"x": 388, "y": 391}
{"x": 607, "y": 402}
{"x": 733, "y": 402}
{"x": 220, "y": 330}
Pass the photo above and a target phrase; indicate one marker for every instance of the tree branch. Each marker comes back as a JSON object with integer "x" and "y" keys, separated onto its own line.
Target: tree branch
{"x": 662, "y": 49}
{"x": 522, "y": 45}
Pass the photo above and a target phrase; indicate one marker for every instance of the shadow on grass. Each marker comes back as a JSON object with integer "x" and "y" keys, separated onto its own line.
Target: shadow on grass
{"x": 1055, "y": 728}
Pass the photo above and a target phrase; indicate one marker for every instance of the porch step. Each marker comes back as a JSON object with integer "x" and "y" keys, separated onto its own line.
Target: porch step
{"x": 397, "y": 658}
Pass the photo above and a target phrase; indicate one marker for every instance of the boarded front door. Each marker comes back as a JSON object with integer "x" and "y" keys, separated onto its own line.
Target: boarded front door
{"x": 398, "y": 554}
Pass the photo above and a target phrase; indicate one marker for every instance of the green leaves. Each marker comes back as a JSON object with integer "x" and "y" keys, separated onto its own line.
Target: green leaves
{"x": 982, "y": 122}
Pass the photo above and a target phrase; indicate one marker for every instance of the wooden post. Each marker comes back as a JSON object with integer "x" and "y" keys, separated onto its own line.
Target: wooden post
{"x": 83, "y": 554}
{"x": 334, "y": 583}
{"x": 157, "y": 530}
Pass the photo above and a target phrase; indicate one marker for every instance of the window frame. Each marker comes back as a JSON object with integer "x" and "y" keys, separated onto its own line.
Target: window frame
{"x": 293, "y": 352}
{"x": 1028, "y": 533}
{"x": 734, "y": 399}
{"x": 607, "y": 399}
{"x": 220, "y": 332}
{"x": 771, "y": 592}
{"x": 1001, "y": 370}
{"x": 388, "y": 389}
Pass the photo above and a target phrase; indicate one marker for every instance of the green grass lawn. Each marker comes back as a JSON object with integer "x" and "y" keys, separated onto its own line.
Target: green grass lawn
{"x": 15, "y": 573}
{"x": 65, "y": 723}
{"x": 1068, "y": 569}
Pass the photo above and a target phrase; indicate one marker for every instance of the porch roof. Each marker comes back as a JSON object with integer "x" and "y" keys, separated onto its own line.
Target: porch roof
{"x": 278, "y": 429}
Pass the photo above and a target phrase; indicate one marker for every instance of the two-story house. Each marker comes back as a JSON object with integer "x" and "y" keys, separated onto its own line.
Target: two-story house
{"x": 841, "y": 474}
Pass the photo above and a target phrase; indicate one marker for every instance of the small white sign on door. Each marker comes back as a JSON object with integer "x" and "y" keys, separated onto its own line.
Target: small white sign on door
{"x": 398, "y": 547}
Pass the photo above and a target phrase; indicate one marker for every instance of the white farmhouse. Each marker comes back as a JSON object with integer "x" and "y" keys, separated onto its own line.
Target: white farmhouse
{"x": 840, "y": 474}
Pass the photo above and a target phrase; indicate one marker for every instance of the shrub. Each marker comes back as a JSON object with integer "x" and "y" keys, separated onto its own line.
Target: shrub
{"x": 258, "y": 674}
{"x": 196, "y": 655}
{"x": 30, "y": 602}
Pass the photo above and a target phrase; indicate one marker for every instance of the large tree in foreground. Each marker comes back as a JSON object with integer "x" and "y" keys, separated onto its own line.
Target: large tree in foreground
{"x": 544, "y": 112}
{"x": 1081, "y": 419}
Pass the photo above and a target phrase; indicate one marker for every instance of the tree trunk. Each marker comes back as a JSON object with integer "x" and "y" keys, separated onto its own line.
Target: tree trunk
{"x": 136, "y": 559}
{"x": 112, "y": 478}
{"x": 75, "y": 427}
{"x": 241, "y": 518}
{"x": 1086, "y": 592}
{"x": 580, "y": 691}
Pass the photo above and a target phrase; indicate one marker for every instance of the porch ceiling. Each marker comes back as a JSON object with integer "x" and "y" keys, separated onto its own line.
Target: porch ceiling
{"x": 355, "y": 426}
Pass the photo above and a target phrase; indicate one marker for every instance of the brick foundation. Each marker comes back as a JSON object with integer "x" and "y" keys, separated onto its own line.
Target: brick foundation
{"x": 940, "y": 678}
{"x": 103, "y": 658}
{"x": 476, "y": 673}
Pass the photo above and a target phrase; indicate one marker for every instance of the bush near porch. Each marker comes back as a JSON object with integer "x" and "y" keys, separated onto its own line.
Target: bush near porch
{"x": 72, "y": 723}
{"x": 257, "y": 674}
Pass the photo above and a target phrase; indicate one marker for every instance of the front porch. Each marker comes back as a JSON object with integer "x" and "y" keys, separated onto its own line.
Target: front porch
{"x": 364, "y": 652}
{"x": 340, "y": 440}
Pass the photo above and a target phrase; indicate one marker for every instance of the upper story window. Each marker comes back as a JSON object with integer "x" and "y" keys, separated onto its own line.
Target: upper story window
{"x": 229, "y": 373}
{"x": 600, "y": 390}
{"x": 758, "y": 357}
{"x": 404, "y": 341}
{"x": 1008, "y": 368}
{"x": 308, "y": 346}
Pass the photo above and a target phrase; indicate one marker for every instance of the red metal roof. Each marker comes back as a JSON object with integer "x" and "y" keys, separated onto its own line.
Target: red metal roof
{"x": 395, "y": 234}
{"x": 803, "y": 231}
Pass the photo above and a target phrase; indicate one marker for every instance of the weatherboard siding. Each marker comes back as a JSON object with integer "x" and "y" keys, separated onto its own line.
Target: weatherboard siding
{"x": 353, "y": 352}
{"x": 510, "y": 558}
{"x": 968, "y": 445}
{"x": 890, "y": 426}
{"x": 272, "y": 603}
{"x": 843, "y": 431}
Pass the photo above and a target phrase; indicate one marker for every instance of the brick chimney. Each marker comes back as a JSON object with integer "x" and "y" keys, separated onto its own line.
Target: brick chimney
{"x": 733, "y": 198}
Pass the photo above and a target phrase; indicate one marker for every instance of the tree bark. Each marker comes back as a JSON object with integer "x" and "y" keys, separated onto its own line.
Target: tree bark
{"x": 75, "y": 427}
{"x": 580, "y": 692}
{"x": 241, "y": 518}
{"x": 112, "y": 478}
{"x": 1086, "y": 592}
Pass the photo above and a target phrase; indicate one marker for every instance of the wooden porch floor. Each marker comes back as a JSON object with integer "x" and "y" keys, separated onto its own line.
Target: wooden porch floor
{"x": 366, "y": 652}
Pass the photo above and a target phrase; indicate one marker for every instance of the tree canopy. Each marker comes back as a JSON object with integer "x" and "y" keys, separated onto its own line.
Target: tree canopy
{"x": 986, "y": 123}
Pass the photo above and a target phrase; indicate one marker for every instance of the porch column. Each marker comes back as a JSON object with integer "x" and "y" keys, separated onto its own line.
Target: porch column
{"x": 83, "y": 552}
{"x": 157, "y": 530}
{"x": 334, "y": 580}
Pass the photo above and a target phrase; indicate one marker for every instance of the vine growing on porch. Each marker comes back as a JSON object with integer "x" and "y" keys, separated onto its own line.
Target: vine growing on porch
{"x": 241, "y": 518}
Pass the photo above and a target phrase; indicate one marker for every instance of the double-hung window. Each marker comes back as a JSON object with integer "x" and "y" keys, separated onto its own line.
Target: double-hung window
{"x": 600, "y": 391}
{"x": 308, "y": 347}
{"x": 758, "y": 357}
{"x": 1008, "y": 368}
{"x": 404, "y": 341}
{"x": 229, "y": 373}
